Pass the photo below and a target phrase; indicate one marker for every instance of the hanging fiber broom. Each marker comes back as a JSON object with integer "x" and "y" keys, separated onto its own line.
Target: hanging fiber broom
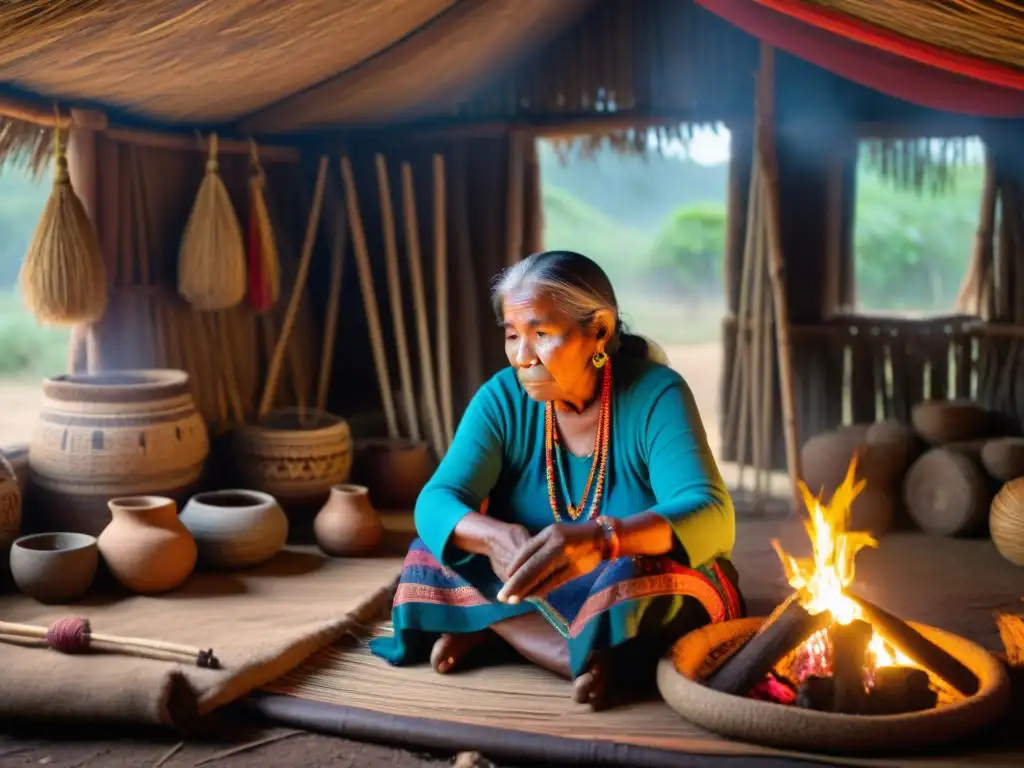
{"x": 264, "y": 265}
{"x": 63, "y": 276}
{"x": 211, "y": 262}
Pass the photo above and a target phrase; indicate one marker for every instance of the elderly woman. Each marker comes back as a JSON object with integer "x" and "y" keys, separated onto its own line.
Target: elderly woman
{"x": 579, "y": 512}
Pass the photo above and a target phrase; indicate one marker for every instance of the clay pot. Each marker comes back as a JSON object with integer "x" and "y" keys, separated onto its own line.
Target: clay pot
{"x": 235, "y": 529}
{"x": 295, "y": 461}
{"x": 348, "y": 524}
{"x": 146, "y": 547}
{"x": 54, "y": 567}
{"x": 114, "y": 434}
{"x": 10, "y": 512}
{"x": 395, "y": 471}
{"x": 1006, "y": 521}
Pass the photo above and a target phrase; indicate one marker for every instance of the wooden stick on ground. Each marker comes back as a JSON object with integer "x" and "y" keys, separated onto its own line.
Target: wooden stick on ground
{"x": 78, "y": 637}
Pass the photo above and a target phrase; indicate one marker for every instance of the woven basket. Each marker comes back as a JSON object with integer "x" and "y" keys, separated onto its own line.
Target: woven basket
{"x": 1006, "y": 521}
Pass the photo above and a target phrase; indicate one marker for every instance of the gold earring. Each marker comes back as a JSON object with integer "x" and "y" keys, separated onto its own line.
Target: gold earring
{"x": 599, "y": 359}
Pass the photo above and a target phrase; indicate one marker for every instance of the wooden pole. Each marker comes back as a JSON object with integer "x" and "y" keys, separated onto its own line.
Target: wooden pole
{"x": 394, "y": 284}
{"x": 362, "y": 254}
{"x": 769, "y": 165}
{"x": 83, "y": 166}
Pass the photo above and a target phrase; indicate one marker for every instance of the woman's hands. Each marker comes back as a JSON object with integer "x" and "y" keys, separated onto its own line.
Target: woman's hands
{"x": 558, "y": 554}
{"x": 502, "y": 546}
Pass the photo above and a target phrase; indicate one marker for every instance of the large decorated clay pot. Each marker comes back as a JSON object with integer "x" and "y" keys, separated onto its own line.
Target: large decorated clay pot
{"x": 235, "y": 528}
{"x": 294, "y": 457}
{"x": 145, "y": 546}
{"x": 123, "y": 433}
{"x": 10, "y": 514}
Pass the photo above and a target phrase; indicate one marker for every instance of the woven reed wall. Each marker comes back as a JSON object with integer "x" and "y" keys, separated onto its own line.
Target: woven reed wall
{"x": 654, "y": 57}
{"x": 861, "y": 369}
{"x": 477, "y": 213}
{"x": 143, "y": 201}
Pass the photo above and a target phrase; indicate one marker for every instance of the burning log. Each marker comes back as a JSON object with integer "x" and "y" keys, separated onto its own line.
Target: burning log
{"x": 900, "y": 689}
{"x": 849, "y": 654}
{"x": 784, "y": 630}
{"x": 816, "y": 693}
{"x": 919, "y": 649}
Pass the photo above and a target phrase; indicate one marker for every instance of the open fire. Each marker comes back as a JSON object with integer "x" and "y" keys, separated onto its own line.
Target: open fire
{"x": 823, "y": 578}
{"x": 825, "y": 648}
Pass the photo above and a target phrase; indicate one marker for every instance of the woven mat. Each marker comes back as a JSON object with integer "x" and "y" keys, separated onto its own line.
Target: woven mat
{"x": 908, "y": 574}
{"x": 261, "y": 623}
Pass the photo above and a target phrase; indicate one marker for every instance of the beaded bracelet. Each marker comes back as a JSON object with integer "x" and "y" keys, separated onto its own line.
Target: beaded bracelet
{"x": 611, "y": 537}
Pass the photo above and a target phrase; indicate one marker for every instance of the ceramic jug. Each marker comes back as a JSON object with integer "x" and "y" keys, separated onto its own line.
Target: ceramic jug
{"x": 146, "y": 547}
{"x": 347, "y": 524}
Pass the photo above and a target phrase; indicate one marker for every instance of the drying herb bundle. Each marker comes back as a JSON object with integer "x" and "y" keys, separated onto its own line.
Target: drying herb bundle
{"x": 63, "y": 276}
{"x": 211, "y": 262}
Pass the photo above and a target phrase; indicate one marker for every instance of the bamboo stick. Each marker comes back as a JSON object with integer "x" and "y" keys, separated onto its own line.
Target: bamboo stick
{"x": 777, "y": 262}
{"x": 394, "y": 281}
{"x": 767, "y": 409}
{"x": 333, "y": 307}
{"x": 274, "y": 369}
{"x": 444, "y": 363}
{"x": 412, "y": 240}
{"x": 369, "y": 298}
{"x": 745, "y": 432}
{"x": 757, "y": 357}
{"x": 736, "y": 419}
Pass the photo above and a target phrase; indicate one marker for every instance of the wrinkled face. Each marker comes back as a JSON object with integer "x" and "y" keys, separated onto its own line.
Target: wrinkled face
{"x": 550, "y": 352}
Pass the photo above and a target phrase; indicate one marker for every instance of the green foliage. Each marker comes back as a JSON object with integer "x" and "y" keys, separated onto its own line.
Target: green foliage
{"x": 912, "y": 249}
{"x": 21, "y": 203}
{"x": 571, "y": 224}
{"x": 28, "y": 349}
{"x": 689, "y": 251}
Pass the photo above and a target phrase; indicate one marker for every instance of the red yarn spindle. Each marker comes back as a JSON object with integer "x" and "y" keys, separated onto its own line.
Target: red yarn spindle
{"x": 69, "y": 635}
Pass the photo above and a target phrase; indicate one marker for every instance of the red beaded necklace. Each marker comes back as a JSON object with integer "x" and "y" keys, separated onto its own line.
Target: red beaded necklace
{"x": 597, "y": 466}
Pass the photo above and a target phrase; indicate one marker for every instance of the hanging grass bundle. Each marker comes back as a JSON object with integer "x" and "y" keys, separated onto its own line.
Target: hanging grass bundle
{"x": 211, "y": 262}
{"x": 264, "y": 264}
{"x": 63, "y": 276}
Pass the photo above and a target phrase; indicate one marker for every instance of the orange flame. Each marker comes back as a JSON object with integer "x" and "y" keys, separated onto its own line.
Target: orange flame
{"x": 825, "y": 575}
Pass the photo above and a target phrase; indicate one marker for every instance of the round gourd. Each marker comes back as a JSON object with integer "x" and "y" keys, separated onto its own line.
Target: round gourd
{"x": 1006, "y": 521}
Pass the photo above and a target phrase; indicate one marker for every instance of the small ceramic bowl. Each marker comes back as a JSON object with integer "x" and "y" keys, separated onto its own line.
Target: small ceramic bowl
{"x": 54, "y": 567}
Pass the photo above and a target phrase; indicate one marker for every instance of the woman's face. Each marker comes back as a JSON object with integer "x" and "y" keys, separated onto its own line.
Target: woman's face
{"x": 552, "y": 354}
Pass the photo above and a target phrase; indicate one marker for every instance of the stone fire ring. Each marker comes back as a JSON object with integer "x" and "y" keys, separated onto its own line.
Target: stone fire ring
{"x": 789, "y": 727}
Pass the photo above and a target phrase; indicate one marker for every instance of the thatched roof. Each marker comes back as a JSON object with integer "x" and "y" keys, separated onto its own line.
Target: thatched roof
{"x": 269, "y": 66}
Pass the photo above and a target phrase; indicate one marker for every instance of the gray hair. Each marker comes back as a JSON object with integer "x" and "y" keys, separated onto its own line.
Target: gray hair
{"x": 577, "y": 284}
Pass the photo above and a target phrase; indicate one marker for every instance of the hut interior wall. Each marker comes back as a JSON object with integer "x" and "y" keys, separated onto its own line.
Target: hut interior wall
{"x": 142, "y": 200}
